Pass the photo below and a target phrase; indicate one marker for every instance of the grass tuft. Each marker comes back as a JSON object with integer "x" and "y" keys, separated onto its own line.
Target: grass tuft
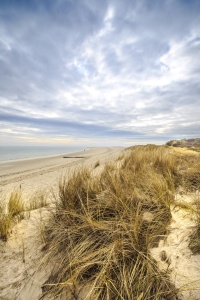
{"x": 15, "y": 204}
{"x": 99, "y": 237}
{"x": 10, "y": 213}
{"x": 5, "y": 226}
{"x": 38, "y": 200}
{"x": 194, "y": 244}
{"x": 97, "y": 164}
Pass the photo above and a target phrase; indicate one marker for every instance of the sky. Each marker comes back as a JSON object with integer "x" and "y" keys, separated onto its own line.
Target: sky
{"x": 109, "y": 72}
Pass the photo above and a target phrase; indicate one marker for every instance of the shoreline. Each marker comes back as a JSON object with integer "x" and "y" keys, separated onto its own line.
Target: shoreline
{"x": 24, "y": 248}
{"x": 40, "y": 157}
{"x": 44, "y": 173}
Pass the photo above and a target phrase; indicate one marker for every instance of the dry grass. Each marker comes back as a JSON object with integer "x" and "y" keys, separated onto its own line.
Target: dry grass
{"x": 189, "y": 170}
{"x": 14, "y": 210}
{"x": 97, "y": 164}
{"x": 10, "y": 213}
{"x": 194, "y": 244}
{"x": 98, "y": 236}
{"x": 97, "y": 240}
{"x": 188, "y": 177}
{"x": 15, "y": 204}
{"x": 38, "y": 200}
{"x": 5, "y": 224}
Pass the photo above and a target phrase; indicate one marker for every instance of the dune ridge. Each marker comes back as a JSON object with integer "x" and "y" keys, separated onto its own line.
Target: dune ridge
{"x": 124, "y": 225}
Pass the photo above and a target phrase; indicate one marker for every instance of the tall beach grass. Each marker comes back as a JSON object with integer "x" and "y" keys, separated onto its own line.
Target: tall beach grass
{"x": 10, "y": 213}
{"x": 103, "y": 228}
{"x": 99, "y": 235}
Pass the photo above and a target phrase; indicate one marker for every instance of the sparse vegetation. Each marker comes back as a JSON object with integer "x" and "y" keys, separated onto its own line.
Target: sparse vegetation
{"x": 193, "y": 144}
{"x": 15, "y": 205}
{"x": 10, "y": 213}
{"x": 38, "y": 200}
{"x": 5, "y": 225}
{"x": 14, "y": 210}
{"x": 194, "y": 244}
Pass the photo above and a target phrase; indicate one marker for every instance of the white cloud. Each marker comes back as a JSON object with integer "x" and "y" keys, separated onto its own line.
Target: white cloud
{"x": 122, "y": 69}
{"x": 181, "y": 60}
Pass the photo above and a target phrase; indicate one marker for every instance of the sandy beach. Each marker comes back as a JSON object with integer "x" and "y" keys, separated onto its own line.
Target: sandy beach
{"x": 31, "y": 175}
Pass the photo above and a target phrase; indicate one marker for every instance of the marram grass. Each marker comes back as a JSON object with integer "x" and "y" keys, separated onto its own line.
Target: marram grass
{"x": 14, "y": 209}
{"x": 98, "y": 236}
{"x": 98, "y": 239}
{"x": 194, "y": 244}
{"x": 10, "y": 213}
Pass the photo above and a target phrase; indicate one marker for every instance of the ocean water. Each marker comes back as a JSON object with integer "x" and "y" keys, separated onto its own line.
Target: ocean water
{"x": 22, "y": 152}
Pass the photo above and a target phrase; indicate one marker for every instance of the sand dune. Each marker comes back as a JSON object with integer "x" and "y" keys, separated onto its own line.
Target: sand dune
{"x": 20, "y": 275}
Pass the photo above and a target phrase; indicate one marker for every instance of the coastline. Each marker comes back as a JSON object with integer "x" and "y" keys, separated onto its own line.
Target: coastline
{"x": 35, "y": 178}
{"x": 43, "y": 173}
{"x": 12, "y": 153}
{"x": 24, "y": 249}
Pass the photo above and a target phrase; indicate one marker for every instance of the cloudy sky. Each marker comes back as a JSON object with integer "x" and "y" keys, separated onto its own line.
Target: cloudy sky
{"x": 99, "y": 72}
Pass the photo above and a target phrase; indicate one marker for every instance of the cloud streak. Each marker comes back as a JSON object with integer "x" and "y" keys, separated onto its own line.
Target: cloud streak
{"x": 110, "y": 71}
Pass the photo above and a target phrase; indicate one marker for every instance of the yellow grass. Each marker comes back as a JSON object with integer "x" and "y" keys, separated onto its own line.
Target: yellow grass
{"x": 194, "y": 244}
{"x": 37, "y": 200}
{"x": 97, "y": 164}
{"x": 99, "y": 237}
{"x": 10, "y": 213}
{"x": 14, "y": 210}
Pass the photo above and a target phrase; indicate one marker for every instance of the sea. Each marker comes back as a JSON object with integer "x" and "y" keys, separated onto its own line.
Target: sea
{"x": 8, "y": 153}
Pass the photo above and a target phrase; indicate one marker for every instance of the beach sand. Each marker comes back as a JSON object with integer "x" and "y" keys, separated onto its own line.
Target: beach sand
{"x": 21, "y": 277}
{"x": 31, "y": 175}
